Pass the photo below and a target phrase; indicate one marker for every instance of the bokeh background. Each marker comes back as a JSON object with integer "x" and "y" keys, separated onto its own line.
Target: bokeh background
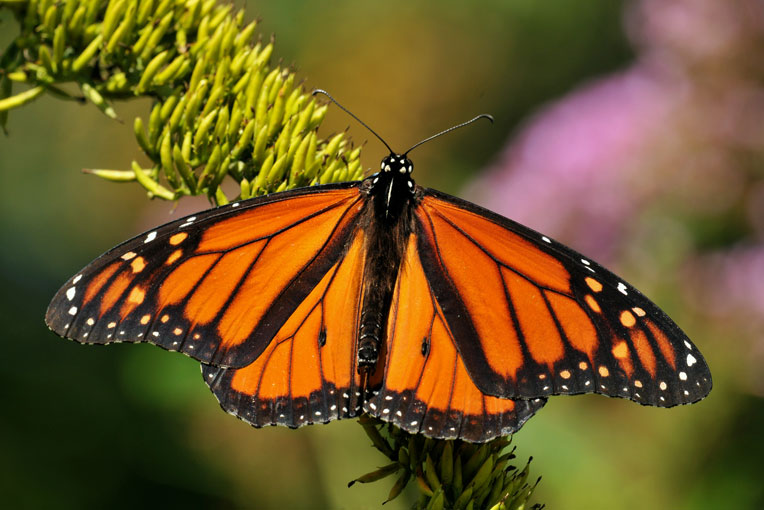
{"x": 632, "y": 131}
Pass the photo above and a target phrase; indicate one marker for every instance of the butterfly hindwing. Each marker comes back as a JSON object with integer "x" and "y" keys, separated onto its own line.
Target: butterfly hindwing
{"x": 307, "y": 374}
{"x": 424, "y": 386}
{"x": 532, "y": 317}
{"x": 216, "y": 286}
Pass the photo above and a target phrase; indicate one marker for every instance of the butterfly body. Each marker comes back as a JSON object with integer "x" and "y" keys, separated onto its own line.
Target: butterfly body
{"x": 390, "y": 195}
{"x": 383, "y": 297}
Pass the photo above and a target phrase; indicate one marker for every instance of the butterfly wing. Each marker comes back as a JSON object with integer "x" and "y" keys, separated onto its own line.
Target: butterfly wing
{"x": 216, "y": 286}
{"x": 531, "y": 317}
{"x": 307, "y": 374}
{"x": 425, "y": 387}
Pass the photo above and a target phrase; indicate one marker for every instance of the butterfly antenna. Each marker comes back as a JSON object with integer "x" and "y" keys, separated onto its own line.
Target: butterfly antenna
{"x": 321, "y": 91}
{"x": 481, "y": 116}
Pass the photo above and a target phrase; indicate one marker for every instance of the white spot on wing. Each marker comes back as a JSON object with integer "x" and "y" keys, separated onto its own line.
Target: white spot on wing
{"x": 150, "y": 237}
{"x": 546, "y": 239}
{"x": 622, "y": 288}
{"x": 70, "y": 293}
{"x": 73, "y": 310}
{"x": 687, "y": 344}
{"x": 188, "y": 222}
{"x": 683, "y": 376}
{"x": 691, "y": 360}
{"x": 77, "y": 278}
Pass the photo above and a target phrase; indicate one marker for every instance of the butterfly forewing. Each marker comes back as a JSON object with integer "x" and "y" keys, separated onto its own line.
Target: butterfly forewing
{"x": 216, "y": 286}
{"x": 533, "y": 318}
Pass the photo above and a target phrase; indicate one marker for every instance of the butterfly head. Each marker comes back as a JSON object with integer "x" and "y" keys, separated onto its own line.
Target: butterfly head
{"x": 397, "y": 164}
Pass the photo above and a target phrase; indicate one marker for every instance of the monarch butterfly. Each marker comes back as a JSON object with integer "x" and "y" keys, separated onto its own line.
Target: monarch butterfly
{"x": 381, "y": 297}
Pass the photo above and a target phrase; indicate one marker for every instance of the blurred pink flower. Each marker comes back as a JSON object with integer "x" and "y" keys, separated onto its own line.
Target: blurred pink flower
{"x": 736, "y": 278}
{"x": 574, "y": 171}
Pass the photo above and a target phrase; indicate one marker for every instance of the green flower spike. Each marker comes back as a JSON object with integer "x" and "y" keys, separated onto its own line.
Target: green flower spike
{"x": 220, "y": 109}
{"x": 450, "y": 474}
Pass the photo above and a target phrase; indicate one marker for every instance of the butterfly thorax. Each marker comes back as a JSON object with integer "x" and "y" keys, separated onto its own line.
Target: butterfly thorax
{"x": 392, "y": 188}
{"x": 392, "y": 194}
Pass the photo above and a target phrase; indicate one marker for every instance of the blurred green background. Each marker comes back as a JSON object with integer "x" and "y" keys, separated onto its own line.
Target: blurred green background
{"x": 631, "y": 131}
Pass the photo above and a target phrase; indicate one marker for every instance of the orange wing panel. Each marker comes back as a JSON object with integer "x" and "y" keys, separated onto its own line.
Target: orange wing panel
{"x": 270, "y": 218}
{"x": 115, "y": 290}
{"x": 307, "y": 373}
{"x": 341, "y": 316}
{"x": 577, "y": 326}
{"x": 663, "y": 343}
{"x": 509, "y": 248}
{"x": 220, "y": 283}
{"x": 644, "y": 351}
{"x": 538, "y": 327}
{"x": 179, "y": 283}
{"x": 481, "y": 288}
{"x": 426, "y": 387}
{"x": 99, "y": 281}
{"x": 279, "y": 263}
